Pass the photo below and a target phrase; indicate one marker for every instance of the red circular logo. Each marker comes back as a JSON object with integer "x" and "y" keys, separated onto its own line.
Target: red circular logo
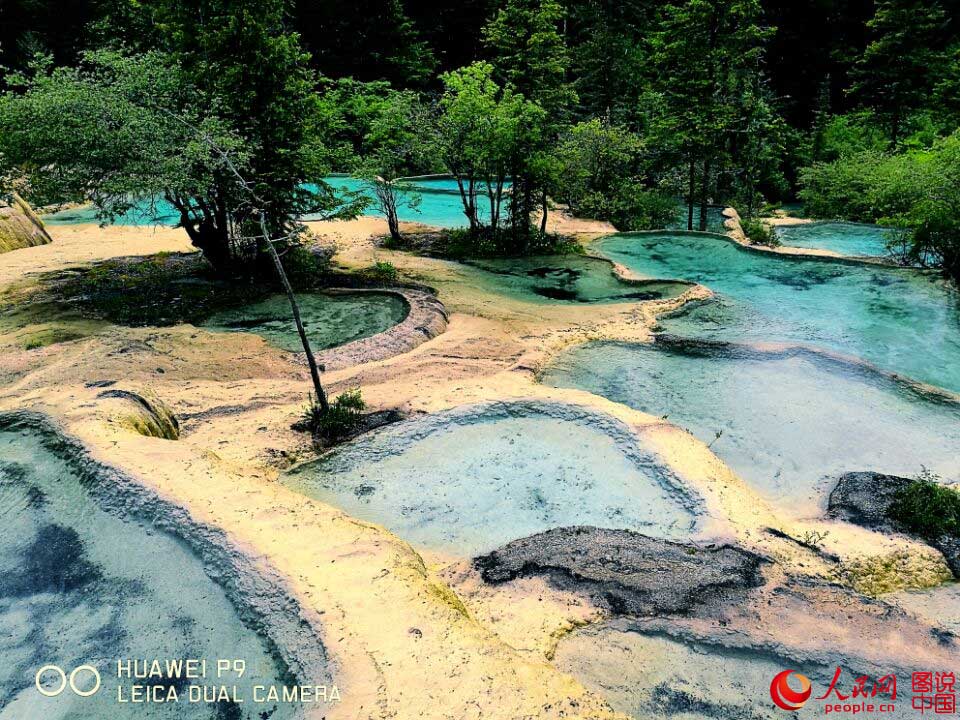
{"x": 785, "y": 696}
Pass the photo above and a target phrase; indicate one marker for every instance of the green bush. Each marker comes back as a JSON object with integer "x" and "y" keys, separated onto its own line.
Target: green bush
{"x": 342, "y": 418}
{"x": 927, "y": 508}
{"x": 381, "y": 272}
{"x": 758, "y": 232}
{"x": 306, "y": 267}
{"x": 630, "y": 206}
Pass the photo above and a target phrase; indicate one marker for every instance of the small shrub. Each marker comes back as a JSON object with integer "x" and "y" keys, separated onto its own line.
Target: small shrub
{"x": 927, "y": 508}
{"x": 758, "y": 233}
{"x": 341, "y": 419}
{"x": 306, "y": 266}
{"x": 381, "y": 272}
{"x": 630, "y": 206}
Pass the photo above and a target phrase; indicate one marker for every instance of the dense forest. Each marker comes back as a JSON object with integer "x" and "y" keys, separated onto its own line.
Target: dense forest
{"x": 617, "y": 109}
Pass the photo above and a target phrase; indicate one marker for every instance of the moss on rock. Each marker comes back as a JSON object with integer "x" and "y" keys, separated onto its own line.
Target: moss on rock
{"x": 20, "y": 226}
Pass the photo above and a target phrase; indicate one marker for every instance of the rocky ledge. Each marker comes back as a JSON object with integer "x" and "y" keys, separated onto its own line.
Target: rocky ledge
{"x": 865, "y": 498}
{"x": 629, "y": 573}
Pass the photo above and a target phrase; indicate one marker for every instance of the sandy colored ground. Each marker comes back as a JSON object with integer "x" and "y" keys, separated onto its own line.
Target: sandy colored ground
{"x": 409, "y": 634}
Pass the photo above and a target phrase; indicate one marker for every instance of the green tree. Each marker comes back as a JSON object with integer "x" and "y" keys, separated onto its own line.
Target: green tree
{"x": 365, "y": 40}
{"x": 529, "y": 54}
{"x": 117, "y": 128}
{"x": 607, "y": 42}
{"x": 530, "y": 57}
{"x": 701, "y": 50}
{"x": 396, "y": 144}
{"x": 481, "y": 131}
{"x": 896, "y": 72}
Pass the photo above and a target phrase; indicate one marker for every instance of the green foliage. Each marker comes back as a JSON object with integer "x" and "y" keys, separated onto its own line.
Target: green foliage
{"x": 842, "y": 135}
{"x": 481, "y": 131}
{"x": 368, "y": 40}
{"x": 631, "y": 206}
{"x": 342, "y": 418}
{"x": 758, "y": 232}
{"x": 307, "y": 267}
{"x": 608, "y": 58}
{"x": 228, "y": 92}
{"x": 917, "y": 190}
{"x": 709, "y": 92}
{"x": 896, "y": 71}
{"x": 594, "y": 157}
{"x": 927, "y": 508}
{"x": 382, "y": 272}
{"x": 530, "y": 55}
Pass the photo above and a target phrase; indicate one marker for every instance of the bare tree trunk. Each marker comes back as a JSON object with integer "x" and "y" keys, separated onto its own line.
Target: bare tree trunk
{"x": 295, "y": 308}
{"x": 690, "y": 191}
{"x": 543, "y": 220}
{"x": 704, "y": 189}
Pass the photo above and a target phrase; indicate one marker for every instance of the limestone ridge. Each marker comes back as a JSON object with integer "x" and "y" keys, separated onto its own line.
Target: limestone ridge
{"x": 20, "y": 226}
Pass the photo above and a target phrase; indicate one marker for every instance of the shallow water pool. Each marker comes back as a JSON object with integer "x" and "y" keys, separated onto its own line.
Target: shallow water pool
{"x": 439, "y": 205}
{"x": 570, "y": 278}
{"x": 467, "y": 481}
{"x": 329, "y": 319}
{"x": 841, "y": 237}
{"x": 902, "y": 320}
{"x": 715, "y": 219}
{"x": 940, "y": 606}
{"x": 81, "y": 586}
{"x": 657, "y": 676}
{"x": 790, "y": 423}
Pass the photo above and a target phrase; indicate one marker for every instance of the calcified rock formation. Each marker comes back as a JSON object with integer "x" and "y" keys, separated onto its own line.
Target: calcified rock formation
{"x": 20, "y": 226}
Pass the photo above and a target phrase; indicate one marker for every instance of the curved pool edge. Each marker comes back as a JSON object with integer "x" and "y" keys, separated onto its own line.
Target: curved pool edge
{"x": 926, "y": 391}
{"x": 426, "y": 319}
{"x": 736, "y": 234}
{"x": 257, "y": 593}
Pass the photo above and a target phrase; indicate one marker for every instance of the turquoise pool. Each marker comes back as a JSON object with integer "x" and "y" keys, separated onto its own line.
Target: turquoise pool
{"x": 79, "y": 586}
{"x": 791, "y": 423}
{"x": 467, "y": 481}
{"x": 851, "y": 239}
{"x": 715, "y": 219}
{"x": 569, "y": 278}
{"x": 439, "y": 205}
{"x": 328, "y": 319}
{"x": 902, "y": 320}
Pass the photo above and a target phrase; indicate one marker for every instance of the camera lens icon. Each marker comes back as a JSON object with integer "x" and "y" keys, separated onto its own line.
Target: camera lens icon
{"x": 83, "y": 672}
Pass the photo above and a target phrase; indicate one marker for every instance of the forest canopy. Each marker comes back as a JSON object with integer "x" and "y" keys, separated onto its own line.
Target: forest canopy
{"x": 620, "y": 110}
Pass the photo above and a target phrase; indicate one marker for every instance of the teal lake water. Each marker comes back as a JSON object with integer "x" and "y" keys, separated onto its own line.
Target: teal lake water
{"x": 569, "y": 278}
{"x": 791, "y": 423}
{"x": 845, "y": 238}
{"x": 81, "y": 586}
{"x": 899, "y": 319}
{"x": 439, "y": 205}
{"x": 466, "y": 482}
{"x": 329, "y": 319}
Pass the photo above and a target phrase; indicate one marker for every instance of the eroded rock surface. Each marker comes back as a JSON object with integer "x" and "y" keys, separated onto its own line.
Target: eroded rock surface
{"x": 631, "y": 574}
{"x": 865, "y": 498}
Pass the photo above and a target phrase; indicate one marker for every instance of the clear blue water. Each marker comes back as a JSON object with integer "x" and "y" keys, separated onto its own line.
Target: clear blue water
{"x": 715, "y": 219}
{"x": 329, "y": 320}
{"x": 468, "y": 481}
{"x": 850, "y": 239}
{"x": 790, "y": 423}
{"x": 81, "y": 586}
{"x": 439, "y": 205}
{"x": 901, "y": 320}
{"x": 569, "y": 278}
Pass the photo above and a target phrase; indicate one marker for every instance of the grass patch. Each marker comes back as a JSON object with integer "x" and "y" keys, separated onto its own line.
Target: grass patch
{"x": 381, "y": 272}
{"x": 343, "y": 418}
{"x": 461, "y": 244}
{"x": 927, "y": 508}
